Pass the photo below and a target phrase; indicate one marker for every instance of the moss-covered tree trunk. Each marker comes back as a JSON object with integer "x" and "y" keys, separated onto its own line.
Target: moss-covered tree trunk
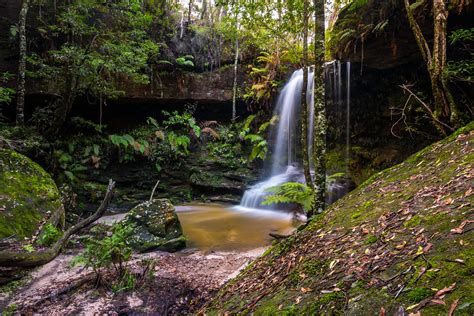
{"x": 20, "y": 101}
{"x": 304, "y": 103}
{"x": 236, "y": 61}
{"x": 445, "y": 107}
{"x": 320, "y": 121}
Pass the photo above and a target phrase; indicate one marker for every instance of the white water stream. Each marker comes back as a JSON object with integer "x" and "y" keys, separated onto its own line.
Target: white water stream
{"x": 284, "y": 162}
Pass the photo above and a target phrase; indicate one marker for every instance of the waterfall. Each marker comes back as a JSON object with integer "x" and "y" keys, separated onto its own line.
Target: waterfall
{"x": 284, "y": 162}
{"x": 348, "y": 117}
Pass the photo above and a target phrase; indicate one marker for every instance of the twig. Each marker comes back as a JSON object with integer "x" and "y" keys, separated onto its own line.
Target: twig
{"x": 153, "y": 191}
{"x": 427, "y": 108}
{"x": 406, "y": 283}
{"x": 403, "y": 117}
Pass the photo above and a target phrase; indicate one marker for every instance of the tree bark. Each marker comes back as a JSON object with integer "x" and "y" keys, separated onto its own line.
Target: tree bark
{"x": 236, "y": 62}
{"x": 20, "y": 101}
{"x": 190, "y": 9}
{"x": 32, "y": 259}
{"x": 304, "y": 102}
{"x": 445, "y": 107}
{"x": 320, "y": 120}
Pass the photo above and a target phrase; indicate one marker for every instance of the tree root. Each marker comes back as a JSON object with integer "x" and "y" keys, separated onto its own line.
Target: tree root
{"x": 31, "y": 259}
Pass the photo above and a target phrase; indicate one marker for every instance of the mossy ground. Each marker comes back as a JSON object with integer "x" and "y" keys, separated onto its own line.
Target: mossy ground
{"x": 391, "y": 244}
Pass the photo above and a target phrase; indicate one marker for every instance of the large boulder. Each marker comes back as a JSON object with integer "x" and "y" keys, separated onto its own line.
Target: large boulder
{"x": 29, "y": 198}
{"x": 155, "y": 226}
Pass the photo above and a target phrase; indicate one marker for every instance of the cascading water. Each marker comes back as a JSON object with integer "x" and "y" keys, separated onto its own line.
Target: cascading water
{"x": 284, "y": 163}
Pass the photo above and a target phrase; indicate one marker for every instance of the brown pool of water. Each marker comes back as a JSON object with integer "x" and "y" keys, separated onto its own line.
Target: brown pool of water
{"x": 224, "y": 228}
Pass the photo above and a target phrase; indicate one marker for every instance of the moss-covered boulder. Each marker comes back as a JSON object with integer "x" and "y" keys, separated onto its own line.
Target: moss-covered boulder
{"x": 29, "y": 198}
{"x": 155, "y": 226}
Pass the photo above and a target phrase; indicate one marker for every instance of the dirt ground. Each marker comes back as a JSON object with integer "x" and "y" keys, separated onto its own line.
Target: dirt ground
{"x": 168, "y": 284}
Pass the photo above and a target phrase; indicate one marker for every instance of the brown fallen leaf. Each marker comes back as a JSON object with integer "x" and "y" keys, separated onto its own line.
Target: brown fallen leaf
{"x": 382, "y": 311}
{"x": 427, "y": 247}
{"x": 415, "y": 314}
{"x": 306, "y": 289}
{"x": 469, "y": 192}
{"x": 401, "y": 245}
{"x": 453, "y": 306}
{"x": 460, "y": 228}
{"x": 437, "y": 302}
{"x": 448, "y": 201}
{"x": 446, "y": 290}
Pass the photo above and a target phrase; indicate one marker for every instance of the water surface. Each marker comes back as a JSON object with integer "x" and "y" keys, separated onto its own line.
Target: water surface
{"x": 218, "y": 227}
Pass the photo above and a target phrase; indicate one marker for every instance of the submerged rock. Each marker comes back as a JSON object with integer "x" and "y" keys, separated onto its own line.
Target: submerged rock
{"x": 156, "y": 226}
{"x": 29, "y": 198}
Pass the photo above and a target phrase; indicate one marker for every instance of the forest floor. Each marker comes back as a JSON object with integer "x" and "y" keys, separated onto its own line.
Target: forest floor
{"x": 401, "y": 243}
{"x": 167, "y": 283}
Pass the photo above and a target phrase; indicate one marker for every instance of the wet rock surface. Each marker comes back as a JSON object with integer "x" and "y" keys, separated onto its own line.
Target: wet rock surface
{"x": 156, "y": 226}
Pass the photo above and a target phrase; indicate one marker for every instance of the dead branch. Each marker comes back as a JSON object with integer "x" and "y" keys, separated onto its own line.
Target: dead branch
{"x": 10, "y": 258}
{"x": 153, "y": 191}
{"x": 439, "y": 123}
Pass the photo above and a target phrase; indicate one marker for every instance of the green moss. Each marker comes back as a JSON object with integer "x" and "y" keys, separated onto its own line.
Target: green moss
{"x": 371, "y": 239}
{"x": 330, "y": 297}
{"x": 382, "y": 204}
{"x": 314, "y": 267}
{"x": 28, "y": 195}
{"x": 418, "y": 294}
{"x": 356, "y": 215}
{"x": 414, "y": 221}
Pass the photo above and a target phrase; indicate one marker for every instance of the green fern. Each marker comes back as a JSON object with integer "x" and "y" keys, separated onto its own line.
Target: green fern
{"x": 291, "y": 192}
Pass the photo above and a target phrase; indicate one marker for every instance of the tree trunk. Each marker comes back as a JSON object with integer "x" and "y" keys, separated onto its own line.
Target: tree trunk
{"x": 20, "y": 101}
{"x": 204, "y": 9}
{"x": 304, "y": 103}
{"x": 190, "y": 9}
{"x": 236, "y": 62}
{"x": 320, "y": 120}
{"x": 445, "y": 107}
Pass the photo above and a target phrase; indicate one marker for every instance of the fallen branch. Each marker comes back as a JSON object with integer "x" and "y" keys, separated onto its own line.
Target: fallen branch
{"x": 427, "y": 108}
{"x": 10, "y": 258}
{"x": 153, "y": 191}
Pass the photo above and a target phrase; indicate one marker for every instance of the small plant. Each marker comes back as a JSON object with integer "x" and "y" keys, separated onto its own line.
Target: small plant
{"x": 110, "y": 254}
{"x": 49, "y": 235}
{"x": 28, "y": 248}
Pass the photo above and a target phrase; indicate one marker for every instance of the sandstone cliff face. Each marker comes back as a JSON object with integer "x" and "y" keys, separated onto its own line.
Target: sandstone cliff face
{"x": 394, "y": 44}
{"x": 206, "y": 83}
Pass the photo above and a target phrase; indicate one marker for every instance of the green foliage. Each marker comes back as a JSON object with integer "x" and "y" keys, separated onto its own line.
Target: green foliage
{"x": 463, "y": 69}
{"x": 110, "y": 253}
{"x": 107, "y": 43}
{"x": 49, "y": 236}
{"x": 258, "y": 142}
{"x": 291, "y": 192}
{"x": 6, "y": 94}
{"x": 461, "y": 35}
{"x": 186, "y": 61}
{"x": 127, "y": 142}
{"x": 28, "y": 248}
